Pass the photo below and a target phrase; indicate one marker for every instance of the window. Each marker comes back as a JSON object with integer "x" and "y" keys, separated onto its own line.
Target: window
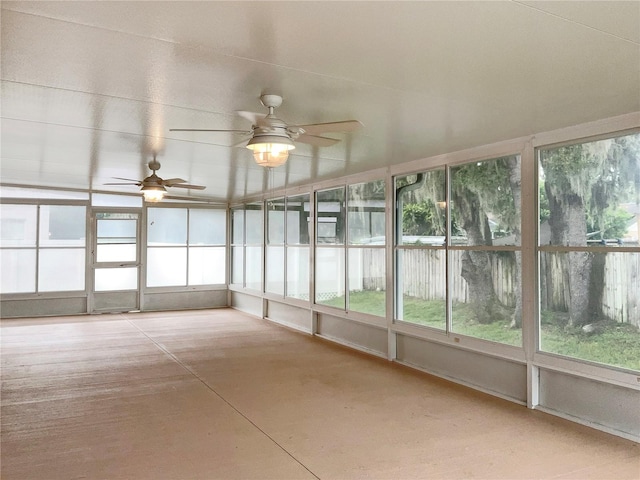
{"x": 246, "y": 246}
{"x": 253, "y": 248}
{"x": 350, "y": 248}
{"x": 207, "y": 251}
{"x": 185, "y": 246}
{"x": 466, "y": 263}
{"x": 330, "y": 252}
{"x": 275, "y": 262}
{"x": 43, "y": 248}
{"x": 61, "y": 248}
{"x": 420, "y": 256}
{"x": 19, "y": 236}
{"x": 589, "y": 252}
{"x": 484, "y": 250}
{"x": 297, "y": 246}
{"x": 237, "y": 246}
{"x": 366, "y": 248}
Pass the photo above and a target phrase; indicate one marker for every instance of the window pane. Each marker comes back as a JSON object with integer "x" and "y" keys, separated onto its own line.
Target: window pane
{"x": 298, "y": 220}
{"x": 61, "y": 269}
{"x": 422, "y": 200}
{"x": 611, "y": 333}
{"x": 484, "y": 289}
{"x": 330, "y": 216}
{"x": 62, "y": 225}
{"x": 206, "y": 265}
{"x": 166, "y": 267}
{"x": 275, "y": 221}
{"x": 108, "y": 200}
{"x": 330, "y": 277}
{"x": 589, "y": 193}
{"x": 367, "y": 280}
{"x": 166, "y": 226}
{"x": 237, "y": 265}
{"x": 366, "y": 207}
{"x": 589, "y": 301}
{"x": 207, "y": 227}
{"x": 18, "y": 225}
{"x": 110, "y": 279}
{"x": 116, "y": 240}
{"x": 254, "y": 268}
{"x": 237, "y": 226}
{"x": 422, "y": 287}
{"x": 298, "y": 272}
{"x": 116, "y": 231}
{"x": 485, "y": 202}
{"x": 116, "y": 253}
{"x": 18, "y": 270}
{"x": 275, "y": 270}
{"x": 254, "y": 222}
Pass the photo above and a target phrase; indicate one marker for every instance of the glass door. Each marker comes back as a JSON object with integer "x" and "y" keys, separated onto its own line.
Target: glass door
{"x": 116, "y": 261}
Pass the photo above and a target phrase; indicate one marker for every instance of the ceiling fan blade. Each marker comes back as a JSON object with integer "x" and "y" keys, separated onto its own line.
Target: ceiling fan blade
{"x": 186, "y": 185}
{"x": 128, "y": 179}
{"x": 170, "y": 181}
{"x": 253, "y": 117}
{"x": 127, "y": 183}
{"x": 334, "y": 127}
{"x": 246, "y": 132}
{"x": 316, "y": 141}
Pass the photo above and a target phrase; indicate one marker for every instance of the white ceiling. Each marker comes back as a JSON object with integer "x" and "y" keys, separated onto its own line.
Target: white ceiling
{"x": 90, "y": 89}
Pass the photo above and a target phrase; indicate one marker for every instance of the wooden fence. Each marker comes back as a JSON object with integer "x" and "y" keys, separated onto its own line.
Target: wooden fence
{"x": 621, "y": 281}
{"x": 424, "y": 276}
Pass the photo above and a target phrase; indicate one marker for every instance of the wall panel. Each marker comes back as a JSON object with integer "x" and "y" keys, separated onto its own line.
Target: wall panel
{"x": 502, "y": 377}
{"x": 615, "y": 407}
{"x": 247, "y": 303}
{"x": 362, "y": 336}
{"x": 185, "y": 300}
{"x": 40, "y": 307}
{"x": 289, "y": 315}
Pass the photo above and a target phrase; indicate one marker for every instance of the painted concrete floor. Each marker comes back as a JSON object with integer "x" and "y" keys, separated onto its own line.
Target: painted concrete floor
{"x": 217, "y": 394}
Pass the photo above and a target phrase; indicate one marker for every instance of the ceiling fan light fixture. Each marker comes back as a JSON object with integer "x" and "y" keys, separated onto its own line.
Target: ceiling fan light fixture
{"x": 270, "y": 150}
{"x": 153, "y": 193}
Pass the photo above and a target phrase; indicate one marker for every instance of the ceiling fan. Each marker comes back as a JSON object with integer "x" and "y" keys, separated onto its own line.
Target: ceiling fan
{"x": 270, "y": 138}
{"x": 154, "y": 187}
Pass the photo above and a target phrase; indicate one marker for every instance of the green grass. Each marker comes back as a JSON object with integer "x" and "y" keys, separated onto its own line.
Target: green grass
{"x": 432, "y": 314}
{"x": 613, "y": 343}
{"x": 616, "y": 344}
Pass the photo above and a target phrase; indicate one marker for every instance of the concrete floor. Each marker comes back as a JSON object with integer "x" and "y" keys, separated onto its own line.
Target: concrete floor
{"x": 218, "y": 394}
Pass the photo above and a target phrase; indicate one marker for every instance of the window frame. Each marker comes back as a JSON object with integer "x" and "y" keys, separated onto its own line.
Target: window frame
{"x": 187, "y": 246}
{"x": 554, "y": 361}
{"x": 38, "y": 202}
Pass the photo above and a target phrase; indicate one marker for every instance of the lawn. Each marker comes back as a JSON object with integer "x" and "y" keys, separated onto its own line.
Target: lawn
{"x": 612, "y": 343}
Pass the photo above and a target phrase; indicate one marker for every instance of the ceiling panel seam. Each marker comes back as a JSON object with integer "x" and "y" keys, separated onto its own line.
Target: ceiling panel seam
{"x": 575, "y": 22}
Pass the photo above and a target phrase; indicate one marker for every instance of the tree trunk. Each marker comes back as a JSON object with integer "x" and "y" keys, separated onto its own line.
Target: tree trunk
{"x": 476, "y": 264}
{"x": 569, "y": 228}
{"x": 596, "y": 285}
{"x": 476, "y": 270}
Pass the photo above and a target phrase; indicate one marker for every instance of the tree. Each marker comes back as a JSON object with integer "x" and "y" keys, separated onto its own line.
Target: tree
{"x": 477, "y": 191}
{"x": 421, "y": 219}
{"x": 582, "y": 182}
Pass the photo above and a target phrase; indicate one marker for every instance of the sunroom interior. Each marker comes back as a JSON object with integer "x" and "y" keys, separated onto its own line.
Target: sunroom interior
{"x": 482, "y": 223}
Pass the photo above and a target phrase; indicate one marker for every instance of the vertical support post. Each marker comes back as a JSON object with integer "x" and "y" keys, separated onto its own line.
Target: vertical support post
{"x": 390, "y": 291}
{"x": 529, "y": 275}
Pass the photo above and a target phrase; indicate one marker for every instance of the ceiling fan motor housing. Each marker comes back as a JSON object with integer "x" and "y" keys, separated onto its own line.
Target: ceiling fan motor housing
{"x": 271, "y": 100}
{"x": 153, "y": 179}
{"x": 271, "y": 130}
